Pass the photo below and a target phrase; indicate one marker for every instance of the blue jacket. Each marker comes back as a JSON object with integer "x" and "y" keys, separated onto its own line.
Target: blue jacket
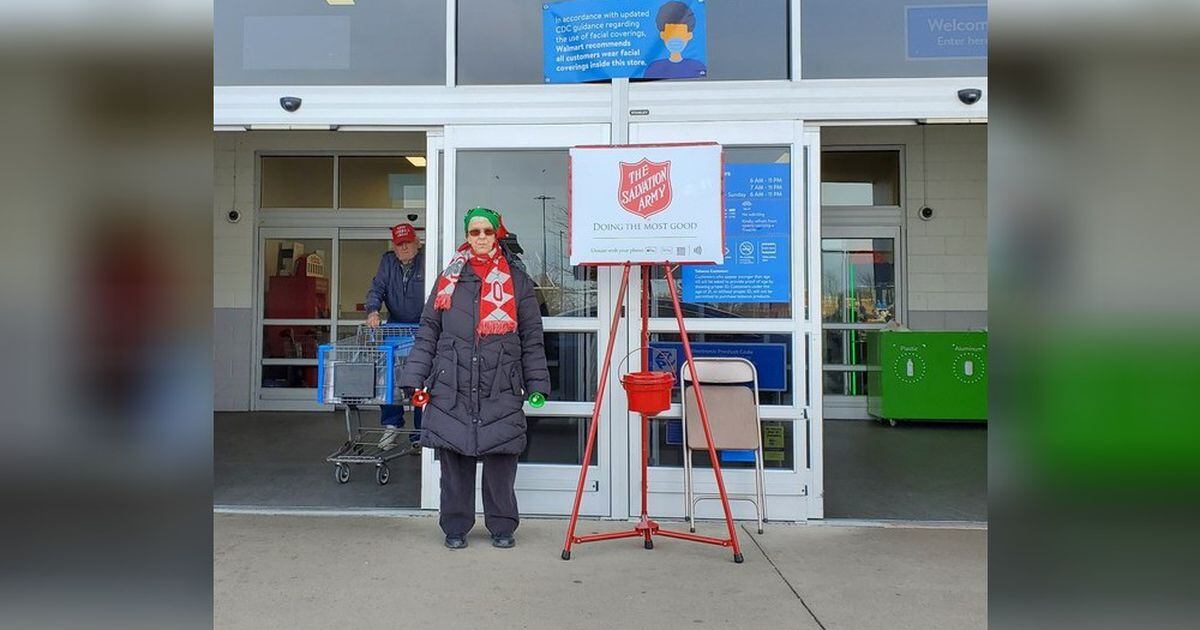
{"x": 404, "y": 295}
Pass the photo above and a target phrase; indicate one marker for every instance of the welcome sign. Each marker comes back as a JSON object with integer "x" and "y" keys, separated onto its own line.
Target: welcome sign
{"x": 646, "y": 204}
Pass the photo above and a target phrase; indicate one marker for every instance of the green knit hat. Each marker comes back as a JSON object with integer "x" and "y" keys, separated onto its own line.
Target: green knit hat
{"x": 492, "y": 216}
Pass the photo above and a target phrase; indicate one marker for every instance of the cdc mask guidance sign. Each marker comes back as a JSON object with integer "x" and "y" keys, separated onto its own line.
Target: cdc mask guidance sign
{"x": 646, "y": 204}
{"x": 594, "y": 40}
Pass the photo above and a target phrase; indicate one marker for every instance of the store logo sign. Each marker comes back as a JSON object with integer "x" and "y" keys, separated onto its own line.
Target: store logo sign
{"x": 645, "y": 187}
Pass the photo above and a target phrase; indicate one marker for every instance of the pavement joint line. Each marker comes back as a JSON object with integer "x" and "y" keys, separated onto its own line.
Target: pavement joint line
{"x": 406, "y": 512}
{"x": 785, "y": 580}
{"x": 897, "y": 523}
{"x": 264, "y": 510}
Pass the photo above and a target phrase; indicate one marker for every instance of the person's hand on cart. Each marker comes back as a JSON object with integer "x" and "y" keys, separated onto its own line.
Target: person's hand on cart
{"x": 374, "y": 320}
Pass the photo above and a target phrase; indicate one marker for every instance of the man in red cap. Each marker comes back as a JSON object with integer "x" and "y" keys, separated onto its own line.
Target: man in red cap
{"x": 399, "y": 285}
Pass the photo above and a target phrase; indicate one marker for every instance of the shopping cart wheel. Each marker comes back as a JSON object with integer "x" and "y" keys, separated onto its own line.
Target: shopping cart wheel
{"x": 892, "y": 421}
{"x": 341, "y": 472}
{"x": 737, "y": 557}
{"x": 382, "y": 474}
{"x": 649, "y": 544}
{"x": 566, "y": 555}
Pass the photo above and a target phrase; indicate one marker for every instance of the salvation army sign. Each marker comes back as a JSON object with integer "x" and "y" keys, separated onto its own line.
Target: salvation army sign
{"x": 646, "y": 204}
{"x": 645, "y": 187}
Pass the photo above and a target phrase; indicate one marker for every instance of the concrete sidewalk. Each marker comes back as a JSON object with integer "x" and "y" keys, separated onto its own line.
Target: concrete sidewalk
{"x": 371, "y": 571}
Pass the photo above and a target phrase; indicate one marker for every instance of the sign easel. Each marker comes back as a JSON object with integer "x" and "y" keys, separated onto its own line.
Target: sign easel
{"x": 674, "y": 195}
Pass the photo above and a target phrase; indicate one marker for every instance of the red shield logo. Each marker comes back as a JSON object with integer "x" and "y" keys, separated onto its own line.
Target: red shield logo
{"x": 645, "y": 187}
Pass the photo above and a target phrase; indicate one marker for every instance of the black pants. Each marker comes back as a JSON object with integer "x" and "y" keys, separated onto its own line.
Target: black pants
{"x": 458, "y": 493}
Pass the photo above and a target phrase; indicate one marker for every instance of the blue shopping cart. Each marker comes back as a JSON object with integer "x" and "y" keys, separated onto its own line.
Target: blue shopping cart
{"x": 363, "y": 370}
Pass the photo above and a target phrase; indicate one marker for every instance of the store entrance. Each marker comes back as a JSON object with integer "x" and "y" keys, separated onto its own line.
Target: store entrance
{"x": 859, "y": 293}
{"x": 320, "y": 215}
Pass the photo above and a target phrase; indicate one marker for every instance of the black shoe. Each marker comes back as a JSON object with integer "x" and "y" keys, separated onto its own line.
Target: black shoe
{"x": 503, "y": 541}
{"x": 456, "y": 542}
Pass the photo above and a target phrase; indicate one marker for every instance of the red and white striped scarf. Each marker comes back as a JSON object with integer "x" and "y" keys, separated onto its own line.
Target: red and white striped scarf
{"x": 497, "y": 304}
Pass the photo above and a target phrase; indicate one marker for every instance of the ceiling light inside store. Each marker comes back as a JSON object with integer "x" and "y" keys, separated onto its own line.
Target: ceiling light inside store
{"x": 339, "y": 3}
{"x": 417, "y": 161}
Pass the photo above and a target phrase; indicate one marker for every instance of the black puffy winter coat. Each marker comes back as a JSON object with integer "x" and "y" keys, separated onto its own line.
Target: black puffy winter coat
{"x": 476, "y": 384}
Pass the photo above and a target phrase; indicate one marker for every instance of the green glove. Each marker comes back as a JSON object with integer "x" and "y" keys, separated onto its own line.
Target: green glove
{"x": 537, "y": 400}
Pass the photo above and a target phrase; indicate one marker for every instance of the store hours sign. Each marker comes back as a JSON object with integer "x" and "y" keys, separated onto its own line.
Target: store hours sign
{"x": 646, "y": 204}
{"x": 757, "y": 263}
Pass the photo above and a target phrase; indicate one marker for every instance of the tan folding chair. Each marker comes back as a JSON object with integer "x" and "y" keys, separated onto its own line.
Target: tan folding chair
{"x": 730, "y": 389}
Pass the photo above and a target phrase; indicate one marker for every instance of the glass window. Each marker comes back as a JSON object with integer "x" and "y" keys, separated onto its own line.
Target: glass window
{"x": 554, "y": 440}
{"x": 356, "y": 269}
{"x": 770, "y": 354}
{"x": 284, "y": 42}
{"x": 381, "y": 182}
{"x": 845, "y": 347}
{"x": 571, "y": 358}
{"x": 860, "y": 178}
{"x": 666, "y": 446}
{"x": 293, "y": 342}
{"x": 296, "y": 280}
{"x": 297, "y": 182}
{"x": 748, "y": 40}
{"x": 755, "y": 279}
{"x": 529, "y": 188}
{"x": 500, "y": 41}
{"x": 858, "y": 280}
{"x": 839, "y": 383}
{"x": 293, "y": 376}
{"x": 893, "y": 39}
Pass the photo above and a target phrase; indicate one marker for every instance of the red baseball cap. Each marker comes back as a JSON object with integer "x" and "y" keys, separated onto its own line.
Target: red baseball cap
{"x": 403, "y": 233}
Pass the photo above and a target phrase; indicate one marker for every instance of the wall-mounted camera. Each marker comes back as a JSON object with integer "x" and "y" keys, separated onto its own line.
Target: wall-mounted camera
{"x": 233, "y": 216}
{"x": 926, "y": 213}
{"x": 292, "y": 103}
{"x": 412, "y": 216}
{"x": 970, "y": 96}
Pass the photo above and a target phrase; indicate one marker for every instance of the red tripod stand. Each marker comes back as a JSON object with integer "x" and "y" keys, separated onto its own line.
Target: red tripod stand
{"x": 646, "y": 528}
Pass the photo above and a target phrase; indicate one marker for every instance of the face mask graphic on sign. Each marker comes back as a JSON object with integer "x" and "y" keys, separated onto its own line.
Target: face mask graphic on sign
{"x": 675, "y": 45}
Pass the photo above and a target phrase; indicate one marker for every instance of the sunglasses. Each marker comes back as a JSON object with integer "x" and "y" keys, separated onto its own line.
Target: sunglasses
{"x": 483, "y": 231}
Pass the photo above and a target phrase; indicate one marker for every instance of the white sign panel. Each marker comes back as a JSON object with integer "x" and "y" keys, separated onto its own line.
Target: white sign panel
{"x": 646, "y": 204}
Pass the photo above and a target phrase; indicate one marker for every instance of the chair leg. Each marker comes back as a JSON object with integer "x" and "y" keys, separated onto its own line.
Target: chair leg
{"x": 688, "y": 505}
{"x": 761, "y": 506}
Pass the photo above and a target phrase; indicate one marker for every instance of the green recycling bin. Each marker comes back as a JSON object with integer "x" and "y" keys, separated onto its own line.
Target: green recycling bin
{"x": 927, "y": 375}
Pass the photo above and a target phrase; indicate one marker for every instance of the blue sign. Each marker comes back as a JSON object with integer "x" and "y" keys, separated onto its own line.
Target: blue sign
{"x": 594, "y": 40}
{"x": 769, "y": 359}
{"x": 947, "y": 31}
{"x": 737, "y": 456}
{"x": 758, "y": 264}
{"x": 674, "y": 432}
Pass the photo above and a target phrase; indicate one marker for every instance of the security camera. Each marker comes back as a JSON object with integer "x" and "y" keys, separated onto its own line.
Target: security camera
{"x": 926, "y": 213}
{"x": 234, "y": 216}
{"x": 412, "y": 216}
{"x": 967, "y": 96}
{"x": 292, "y": 103}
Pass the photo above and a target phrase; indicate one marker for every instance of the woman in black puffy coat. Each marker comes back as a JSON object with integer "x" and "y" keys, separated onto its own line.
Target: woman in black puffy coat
{"x": 478, "y": 353}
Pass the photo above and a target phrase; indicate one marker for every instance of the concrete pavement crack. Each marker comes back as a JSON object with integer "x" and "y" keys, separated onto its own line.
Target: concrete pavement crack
{"x": 785, "y": 580}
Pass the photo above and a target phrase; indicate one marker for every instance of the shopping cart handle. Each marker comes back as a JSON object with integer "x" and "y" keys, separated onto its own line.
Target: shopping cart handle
{"x": 420, "y": 398}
